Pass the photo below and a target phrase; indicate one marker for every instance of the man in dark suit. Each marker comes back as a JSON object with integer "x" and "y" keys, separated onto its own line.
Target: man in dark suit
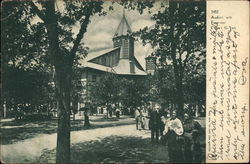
{"x": 155, "y": 122}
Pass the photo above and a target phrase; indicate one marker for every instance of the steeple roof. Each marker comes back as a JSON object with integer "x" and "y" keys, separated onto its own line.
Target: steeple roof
{"x": 123, "y": 28}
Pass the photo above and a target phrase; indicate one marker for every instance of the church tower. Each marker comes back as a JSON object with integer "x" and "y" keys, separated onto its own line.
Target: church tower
{"x": 127, "y": 63}
{"x": 123, "y": 39}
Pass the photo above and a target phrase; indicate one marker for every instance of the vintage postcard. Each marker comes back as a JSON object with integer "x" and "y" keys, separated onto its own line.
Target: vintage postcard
{"x": 122, "y": 81}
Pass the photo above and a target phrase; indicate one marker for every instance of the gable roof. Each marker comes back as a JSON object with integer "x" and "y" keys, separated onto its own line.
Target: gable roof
{"x": 84, "y": 62}
{"x": 124, "y": 66}
{"x": 99, "y": 67}
{"x": 123, "y": 28}
{"x": 96, "y": 54}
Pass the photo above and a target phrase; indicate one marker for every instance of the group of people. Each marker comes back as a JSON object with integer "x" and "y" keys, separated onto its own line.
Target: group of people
{"x": 113, "y": 109}
{"x": 180, "y": 136}
{"x": 141, "y": 118}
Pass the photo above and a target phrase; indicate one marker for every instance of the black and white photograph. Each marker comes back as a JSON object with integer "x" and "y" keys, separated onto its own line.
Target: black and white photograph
{"x": 91, "y": 81}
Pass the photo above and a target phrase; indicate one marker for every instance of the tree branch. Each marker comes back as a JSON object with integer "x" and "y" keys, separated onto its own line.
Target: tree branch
{"x": 81, "y": 33}
{"x": 188, "y": 51}
{"x": 37, "y": 11}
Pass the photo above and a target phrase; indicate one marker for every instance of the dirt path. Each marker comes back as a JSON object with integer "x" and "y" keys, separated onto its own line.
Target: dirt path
{"x": 30, "y": 149}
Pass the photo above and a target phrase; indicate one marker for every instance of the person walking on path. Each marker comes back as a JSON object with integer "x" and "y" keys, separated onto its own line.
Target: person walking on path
{"x": 155, "y": 122}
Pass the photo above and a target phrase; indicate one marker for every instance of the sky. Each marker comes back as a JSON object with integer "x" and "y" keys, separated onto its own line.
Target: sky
{"x": 102, "y": 29}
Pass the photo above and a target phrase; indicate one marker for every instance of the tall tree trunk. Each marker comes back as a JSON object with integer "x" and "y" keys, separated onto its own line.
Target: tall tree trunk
{"x": 177, "y": 63}
{"x": 63, "y": 63}
{"x": 63, "y": 137}
{"x": 180, "y": 98}
{"x": 63, "y": 79}
{"x": 63, "y": 75}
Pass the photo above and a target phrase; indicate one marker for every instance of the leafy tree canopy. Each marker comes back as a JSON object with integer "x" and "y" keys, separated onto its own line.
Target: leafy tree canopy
{"x": 179, "y": 39}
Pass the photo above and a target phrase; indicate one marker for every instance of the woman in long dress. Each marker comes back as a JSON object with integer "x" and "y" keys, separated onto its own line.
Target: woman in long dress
{"x": 173, "y": 130}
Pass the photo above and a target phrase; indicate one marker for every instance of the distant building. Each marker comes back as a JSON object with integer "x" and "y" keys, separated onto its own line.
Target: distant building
{"x": 150, "y": 64}
{"x": 120, "y": 60}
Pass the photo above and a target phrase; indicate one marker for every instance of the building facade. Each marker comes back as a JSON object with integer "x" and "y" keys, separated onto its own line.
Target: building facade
{"x": 120, "y": 59}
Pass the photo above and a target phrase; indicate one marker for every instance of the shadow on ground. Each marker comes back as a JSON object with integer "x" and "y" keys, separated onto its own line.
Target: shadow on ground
{"x": 14, "y": 131}
{"x": 113, "y": 149}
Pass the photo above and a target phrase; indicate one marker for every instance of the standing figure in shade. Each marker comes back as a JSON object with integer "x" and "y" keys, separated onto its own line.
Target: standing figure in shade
{"x": 150, "y": 111}
{"x": 174, "y": 131}
{"x": 162, "y": 124}
{"x": 86, "y": 110}
{"x": 117, "y": 111}
{"x": 192, "y": 148}
{"x": 137, "y": 118}
{"x": 109, "y": 110}
{"x": 155, "y": 123}
{"x": 141, "y": 117}
{"x": 144, "y": 118}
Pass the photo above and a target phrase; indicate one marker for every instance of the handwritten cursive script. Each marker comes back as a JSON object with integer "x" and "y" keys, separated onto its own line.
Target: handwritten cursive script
{"x": 227, "y": 112}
